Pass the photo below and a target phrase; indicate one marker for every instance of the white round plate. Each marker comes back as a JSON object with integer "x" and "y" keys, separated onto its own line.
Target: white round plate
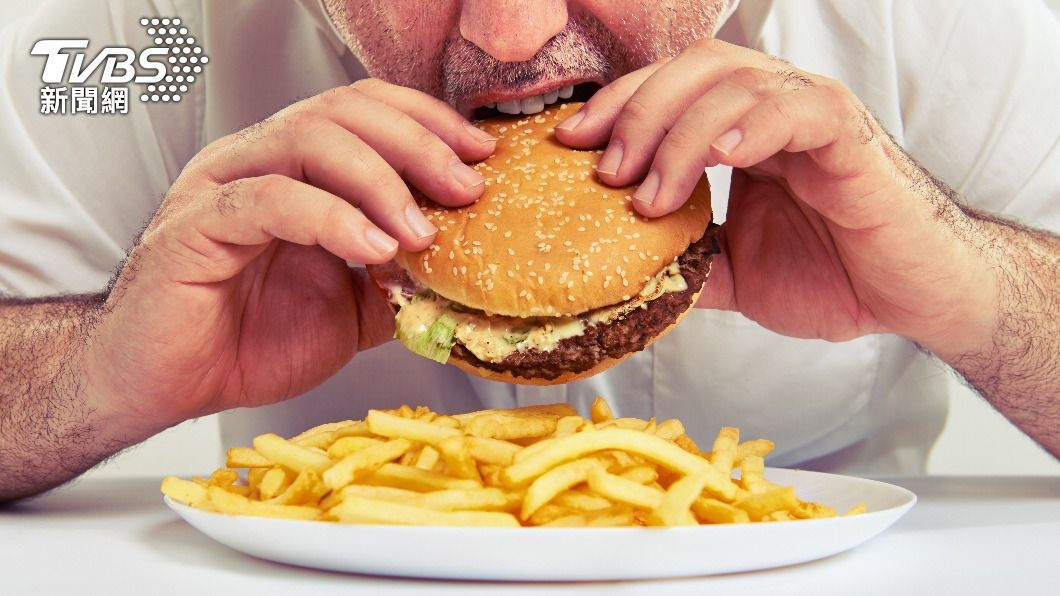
{"x": 565, "y": 554}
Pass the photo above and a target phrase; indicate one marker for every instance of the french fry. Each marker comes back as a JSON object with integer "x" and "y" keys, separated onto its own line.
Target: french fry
{"x": 386, "y": 493}
{"x": 350, "y": 445}
{"x": 226, "y": 502}
{"x": 752, "y": 479}
{"x": 723, "y": 456}
{"x": 358, "y": 429}
{"x": 389, "y": 425}
{"x": 549, "y": 513}
{"x": 306, "y": 489}
{"x": 492, "y": 499}
{"x": 617, "y": 515}
{"x": 600, "y": 411}
{"x": 713, "y": 511}
{"x": 555, "y": 481}
{"x": 223, "y": 478}
{"x": 623, "y": 490}
{"x": 321, "y": 429}
{"x": 670, "y": 429}
{"x": 493, "y": 451}
{"x": 759, "y": 505}
{"x": 428, "y": 458}
{"x": 650, "y": 447}
{"x": 273, "y": 483}
{"x": 685, "y": 442}
{"x": 856, "y": 509}
{"x": 184, "y": 491}
{"x": 415, "y": 479}
{"x": 511, "y": 426}
{"x": 759, "y": 447}
{"x": 568, "y": 425}
{"x": 362, "y": 510}
{"x": 581, "y": 500}
{"x": 367, "y": 460}
{"x": 642, "y": 474}
{"x": 281, "y": 451}
{"x": 676, "y": 505}
{"x": 457, "y": 456}
{"x": 628, "y": 423}
{"x": 244, "y": 457}
{"x": 544, "y": 463}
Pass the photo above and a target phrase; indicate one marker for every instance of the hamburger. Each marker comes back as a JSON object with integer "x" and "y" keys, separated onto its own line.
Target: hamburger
{"x": 551, "y": 276}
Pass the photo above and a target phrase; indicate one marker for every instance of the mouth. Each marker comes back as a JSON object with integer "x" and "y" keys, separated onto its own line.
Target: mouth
{"x": 496, "y": 104}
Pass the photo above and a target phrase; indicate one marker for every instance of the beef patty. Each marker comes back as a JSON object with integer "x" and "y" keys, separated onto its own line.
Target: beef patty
{"x": 616, "y": 338}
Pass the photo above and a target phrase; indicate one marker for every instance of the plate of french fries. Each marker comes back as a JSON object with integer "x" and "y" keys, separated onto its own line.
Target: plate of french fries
{"x": 536, "y": 493}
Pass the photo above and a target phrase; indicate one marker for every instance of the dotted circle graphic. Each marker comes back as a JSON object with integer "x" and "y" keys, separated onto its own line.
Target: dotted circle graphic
{"x": 185, "y": 57}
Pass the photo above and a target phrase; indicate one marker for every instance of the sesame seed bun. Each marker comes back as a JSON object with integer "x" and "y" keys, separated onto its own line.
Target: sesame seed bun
{"x": 547, "y": 238}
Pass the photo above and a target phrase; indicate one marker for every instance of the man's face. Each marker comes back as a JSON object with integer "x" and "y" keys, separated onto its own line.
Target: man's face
{"x": 477, "y": 52}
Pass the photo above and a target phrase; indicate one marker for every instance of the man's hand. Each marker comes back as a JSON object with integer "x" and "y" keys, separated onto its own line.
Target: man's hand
{"x": 238, "y": 292}
{"x": 832, "y": 231}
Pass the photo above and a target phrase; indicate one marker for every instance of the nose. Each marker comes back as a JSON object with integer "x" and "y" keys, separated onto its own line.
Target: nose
{"x": 512, "y": 30}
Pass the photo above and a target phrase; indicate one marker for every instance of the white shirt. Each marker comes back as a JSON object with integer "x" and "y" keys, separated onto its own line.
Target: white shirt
{"x": 968, "y": 88}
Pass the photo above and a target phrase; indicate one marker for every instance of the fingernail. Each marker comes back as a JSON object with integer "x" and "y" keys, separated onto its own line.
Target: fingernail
{"x": 419, "y": 224}
{"x": 478, "y": 134}
{"x": 612, "y": 158}
{"x": 382, "y": 243}
{"x": 466, "y": 176}
{"x": 728, "y": 141}
{"x": 573, "y": 121}
{"x": 648, "y": 189}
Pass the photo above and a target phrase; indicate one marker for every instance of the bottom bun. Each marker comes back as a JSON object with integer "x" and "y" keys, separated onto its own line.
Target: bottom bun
{"x": 568, "y": 376}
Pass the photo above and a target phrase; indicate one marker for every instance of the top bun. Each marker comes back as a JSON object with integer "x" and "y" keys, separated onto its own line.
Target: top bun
{"x": 547, "y": 238}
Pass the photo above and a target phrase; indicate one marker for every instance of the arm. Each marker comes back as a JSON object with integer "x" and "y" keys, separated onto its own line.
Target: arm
{"x": 238, "y": 293}
{"x": 1017, "y": 366}
{"x": 50, "y": 428}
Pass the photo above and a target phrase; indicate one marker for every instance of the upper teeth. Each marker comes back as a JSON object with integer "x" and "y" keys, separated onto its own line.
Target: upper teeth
{"x": 533, "y": 104}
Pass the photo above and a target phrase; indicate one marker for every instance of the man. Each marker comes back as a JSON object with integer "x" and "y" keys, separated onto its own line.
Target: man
{"x": 238, "y": 293}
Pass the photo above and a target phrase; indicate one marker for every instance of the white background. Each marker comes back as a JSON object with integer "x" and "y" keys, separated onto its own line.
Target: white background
{"x": 976, "y": 441}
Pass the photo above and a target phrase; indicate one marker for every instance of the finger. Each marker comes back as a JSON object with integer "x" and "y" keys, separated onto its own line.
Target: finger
{"x": 468, "y": 141}
{"x": 686, "y": 149}
{"x": 252, "y": 212}
{"x": 590, "y": 126}
{"x": 658, "y": 103}
{"x": 315, "y": 149}
{"x": 416, "y": 153}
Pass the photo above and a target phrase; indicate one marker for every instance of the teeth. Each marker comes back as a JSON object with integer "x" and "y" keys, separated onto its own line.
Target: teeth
{"x": 534, "y": 104}
{"x": 508, "y": 107}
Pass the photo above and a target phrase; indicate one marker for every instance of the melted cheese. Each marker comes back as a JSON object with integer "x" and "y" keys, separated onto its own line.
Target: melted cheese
{"x": 493, "y": 338}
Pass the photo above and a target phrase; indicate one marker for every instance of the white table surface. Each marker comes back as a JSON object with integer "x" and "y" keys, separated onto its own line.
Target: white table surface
{"x": 966, "y": 536}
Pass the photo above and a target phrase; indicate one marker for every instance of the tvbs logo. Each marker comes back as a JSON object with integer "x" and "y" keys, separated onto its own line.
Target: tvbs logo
{"x": 165, "y": 70}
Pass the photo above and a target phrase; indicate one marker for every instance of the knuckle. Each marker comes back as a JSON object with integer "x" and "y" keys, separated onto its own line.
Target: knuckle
{"x": 263, "y": 187}
{"x": 707, "y": 45}
{"x": 755, "y": 81}
{"x": 637, "y": 111}
{"x": 229, "y": 198}
{"x": 367, "y": 85}
{"x": 339, "y": 95}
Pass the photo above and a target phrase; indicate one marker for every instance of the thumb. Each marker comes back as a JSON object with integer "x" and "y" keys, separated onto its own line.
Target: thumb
{"x": 718, "y": 290}
{"x": 375, "y": 316}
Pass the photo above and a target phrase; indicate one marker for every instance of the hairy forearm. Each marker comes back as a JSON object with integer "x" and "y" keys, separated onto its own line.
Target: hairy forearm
{"x": 51, "y": 428}
{"x": 1018, "y": 368}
